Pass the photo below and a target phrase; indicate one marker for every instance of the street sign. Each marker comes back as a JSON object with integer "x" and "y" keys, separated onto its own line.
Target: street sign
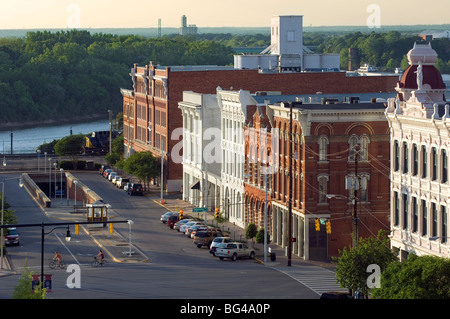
{"x": 199, "y": 210}
{"x": 322, "y": 221}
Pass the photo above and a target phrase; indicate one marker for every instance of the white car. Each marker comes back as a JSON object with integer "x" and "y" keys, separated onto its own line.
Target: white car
{"x": 180, "y": 223}
{"x": 187, "y": 225}
{"x": 111, "y": 176}
{"x": 218, "y": 242}
{"x": 116, "y": 179}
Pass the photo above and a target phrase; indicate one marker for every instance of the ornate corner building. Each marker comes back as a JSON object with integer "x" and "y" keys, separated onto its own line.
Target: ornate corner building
{"x": 419, "y": 121}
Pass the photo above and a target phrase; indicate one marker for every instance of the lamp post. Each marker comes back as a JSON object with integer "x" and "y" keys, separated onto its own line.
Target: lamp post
{"x": 43, "y": 233}
{"x": 55, "y": 164}
{"x": 61, "y": 171}
{"x": 39, "y": 159}
{"x": 50, "y": 178}
{"x": 75, "y": 195}
{"x": 3, "y": 213}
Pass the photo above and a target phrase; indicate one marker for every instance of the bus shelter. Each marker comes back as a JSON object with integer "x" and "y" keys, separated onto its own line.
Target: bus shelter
{"x": 97, "y": 212}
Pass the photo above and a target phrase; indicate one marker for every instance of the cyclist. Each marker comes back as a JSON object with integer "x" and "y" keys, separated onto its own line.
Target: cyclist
{"x": 100, "y": 256}
{"x": 57, "y": 257}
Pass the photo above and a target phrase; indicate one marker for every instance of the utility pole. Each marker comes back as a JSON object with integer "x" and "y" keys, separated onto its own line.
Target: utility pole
{"x": 290, "y": 187}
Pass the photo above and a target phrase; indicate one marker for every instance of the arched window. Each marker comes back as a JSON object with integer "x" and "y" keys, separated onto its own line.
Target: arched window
{"x": 323, "y": 148}
{"x": 364, "y": 147}
{"x": 352, "y": 142}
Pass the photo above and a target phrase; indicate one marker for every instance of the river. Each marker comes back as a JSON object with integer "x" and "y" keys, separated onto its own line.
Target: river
{"x": 26, "y": 140}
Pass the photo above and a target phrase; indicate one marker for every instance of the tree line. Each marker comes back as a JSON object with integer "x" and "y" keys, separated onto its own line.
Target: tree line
{"x": 67, "y": 74}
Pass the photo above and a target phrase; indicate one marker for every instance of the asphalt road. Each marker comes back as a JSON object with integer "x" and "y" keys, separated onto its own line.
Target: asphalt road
{"x": 177, "y": 269}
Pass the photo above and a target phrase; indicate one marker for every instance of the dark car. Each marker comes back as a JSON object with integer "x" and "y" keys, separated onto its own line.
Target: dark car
{"x": 172, "y": 220}
{"x": 135, "y": 189}
{"x": 12, "y": 237}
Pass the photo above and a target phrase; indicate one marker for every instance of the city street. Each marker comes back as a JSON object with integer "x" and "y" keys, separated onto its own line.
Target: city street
{"x": 175, "y": 269}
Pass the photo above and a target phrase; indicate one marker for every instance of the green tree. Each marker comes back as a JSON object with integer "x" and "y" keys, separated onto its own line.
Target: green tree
{"x": 260, "y": 236}
{"x": 143, "y": 165}
{"x": 71, "y": 146}
{"x": 419, "y": 277}
{"x": 352, "y": 263}
{"x": 251, "y": 231}
{"x": 23, "y": 290}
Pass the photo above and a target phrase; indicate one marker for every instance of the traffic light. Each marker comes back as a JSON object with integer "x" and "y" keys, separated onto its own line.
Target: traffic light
{"x": 181, "y": 214}
{"x": 77, "y": 229}
{"x": 328, "y": 227}
{"x": 111, "y": 228}
{"x": 216, "y": 214}
{"x": 317, "y": 224}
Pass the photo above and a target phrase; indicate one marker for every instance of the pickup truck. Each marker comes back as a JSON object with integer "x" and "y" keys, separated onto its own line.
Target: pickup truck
{"x": 235, "y": 251}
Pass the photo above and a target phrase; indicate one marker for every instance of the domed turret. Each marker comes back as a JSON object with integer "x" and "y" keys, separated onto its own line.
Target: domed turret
{"x": 422, "y": 59}
{"x": 422, "y": 53}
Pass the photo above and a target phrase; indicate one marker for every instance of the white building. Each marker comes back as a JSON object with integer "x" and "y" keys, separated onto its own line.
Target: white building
{"x": 233, "y": 106}
{"x": 419, "y": 121}
{"x": 287, "y": 53}
{"x": 202, "y": 156}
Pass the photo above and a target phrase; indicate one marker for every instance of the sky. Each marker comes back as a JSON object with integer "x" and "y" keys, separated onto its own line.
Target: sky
{"x": 42, "y": 14}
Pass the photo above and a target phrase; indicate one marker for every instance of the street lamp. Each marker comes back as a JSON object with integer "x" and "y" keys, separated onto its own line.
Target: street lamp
{"x": 75, "y": 196}
{"x": 55, "y": 164}
{"x": 61, "y": 170}
{"x": 3, "y": 212}
{"x": 50, "y": 178}
{"x": 42, "y": 248}
{"x": 39, "y": 158}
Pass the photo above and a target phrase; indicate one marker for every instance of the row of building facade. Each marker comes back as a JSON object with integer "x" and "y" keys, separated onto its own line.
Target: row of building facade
{"x": 296, "y": 147}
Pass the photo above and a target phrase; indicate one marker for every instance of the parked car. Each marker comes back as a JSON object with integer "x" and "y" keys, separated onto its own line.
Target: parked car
{"x": 126, "y": 186}
{"x": 180, "y": 223}
{"x": 106, "y": 172}
{"x": 218, "y": 242}
{"x": 235, "y": 251}
{"x": 165, "y": 216}
{"x": 12, "y": 237}
{"x": 135, "y": 189}
{"x": 196, "y": 228}
{"x": 205, "y": 237}
{"x": 172, "y": 220}
{"x": 189, "y": 229}
{"x": 115, "y": 179}
{"x": 187, "y": 225}
{"x": 102, "y": 169}
{"x": 111, "y": 176}
{"x": 122, "y": 182}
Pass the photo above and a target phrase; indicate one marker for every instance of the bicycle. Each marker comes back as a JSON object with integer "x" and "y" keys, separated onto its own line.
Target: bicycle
{"x": 53, "y": 264}
{"x": 97, "y": 263}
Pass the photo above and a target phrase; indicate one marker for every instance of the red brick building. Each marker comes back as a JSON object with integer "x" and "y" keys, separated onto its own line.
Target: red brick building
{"x": 257, "y": 168}
{"x": 322, "y": 158}
{"x": 151, "y": 112}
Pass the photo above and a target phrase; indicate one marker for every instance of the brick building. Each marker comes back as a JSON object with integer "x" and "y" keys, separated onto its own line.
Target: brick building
{"x": 151, "y": 112}
{"x": 326, "y": 139}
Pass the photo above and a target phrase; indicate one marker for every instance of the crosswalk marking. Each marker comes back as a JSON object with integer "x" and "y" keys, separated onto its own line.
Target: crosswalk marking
{"x": 317, "y": 279}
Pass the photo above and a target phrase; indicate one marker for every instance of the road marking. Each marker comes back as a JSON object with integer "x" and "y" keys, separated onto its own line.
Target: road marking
{"x": 67, "y": 248}
{"x": 317, "y": 279}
